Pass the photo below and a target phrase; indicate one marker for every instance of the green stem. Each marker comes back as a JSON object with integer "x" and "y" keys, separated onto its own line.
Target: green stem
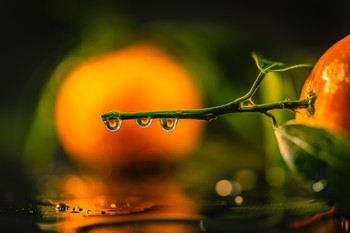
{"x": 253, "y": 89}
{"x": 211, "y": 113}
{"x": 239, "y": 105}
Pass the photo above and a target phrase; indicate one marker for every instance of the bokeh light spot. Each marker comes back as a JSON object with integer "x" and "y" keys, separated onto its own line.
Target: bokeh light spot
{"x": 275, "y": 176}
{"x": 223, "y": 188}
{"x": 247, "y": 178}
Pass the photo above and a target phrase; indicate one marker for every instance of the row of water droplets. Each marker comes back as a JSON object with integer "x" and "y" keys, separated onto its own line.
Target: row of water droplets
{"x": 168, "y": 124}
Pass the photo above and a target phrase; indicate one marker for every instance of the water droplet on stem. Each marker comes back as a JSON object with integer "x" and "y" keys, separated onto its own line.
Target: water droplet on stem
{"x": 113, "y": 124}
{"x": 168, "y": 124}
{"x": 144, "y": 122}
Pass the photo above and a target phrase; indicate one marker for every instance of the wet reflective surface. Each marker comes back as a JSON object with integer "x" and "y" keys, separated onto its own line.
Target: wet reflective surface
{"x": 167, "y": 207}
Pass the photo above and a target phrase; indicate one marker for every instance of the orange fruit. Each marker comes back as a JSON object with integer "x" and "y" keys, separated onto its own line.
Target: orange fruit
{"x": 138, "y": 77}
{"x": 330, "y": 81}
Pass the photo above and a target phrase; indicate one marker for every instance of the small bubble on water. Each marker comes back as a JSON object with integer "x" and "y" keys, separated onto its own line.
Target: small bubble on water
{"x": 62, "y": 207}
{"x": 113, "y": 124}
{"x": 76, "y": 209}
{"x": 168, "y": 124}
{"x": 144, "y": 122}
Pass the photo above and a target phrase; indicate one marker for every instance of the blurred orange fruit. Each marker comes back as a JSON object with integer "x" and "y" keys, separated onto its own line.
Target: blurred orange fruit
{"x": 330, "y": 81}
{"x": 139, "y": 77}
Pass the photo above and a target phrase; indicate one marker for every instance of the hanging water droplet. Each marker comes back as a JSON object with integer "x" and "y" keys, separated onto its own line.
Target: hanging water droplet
{"x": 168, "y": 124}
{"x": 144, "y": 122}
{"x": 113, "y": 124}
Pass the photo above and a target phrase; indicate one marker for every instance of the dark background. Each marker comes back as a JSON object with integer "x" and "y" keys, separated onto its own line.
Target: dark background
{"x": 35, "y": 35}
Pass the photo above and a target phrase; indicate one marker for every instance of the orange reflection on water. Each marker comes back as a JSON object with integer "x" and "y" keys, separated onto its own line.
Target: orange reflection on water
{"x": 97, "y": 206}
{"x": 153, "y": 228}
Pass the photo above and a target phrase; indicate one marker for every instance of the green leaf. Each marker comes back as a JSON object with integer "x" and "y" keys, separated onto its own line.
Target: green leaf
{"x": 265, "y": 65}
{"x": 319, "y": 158}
